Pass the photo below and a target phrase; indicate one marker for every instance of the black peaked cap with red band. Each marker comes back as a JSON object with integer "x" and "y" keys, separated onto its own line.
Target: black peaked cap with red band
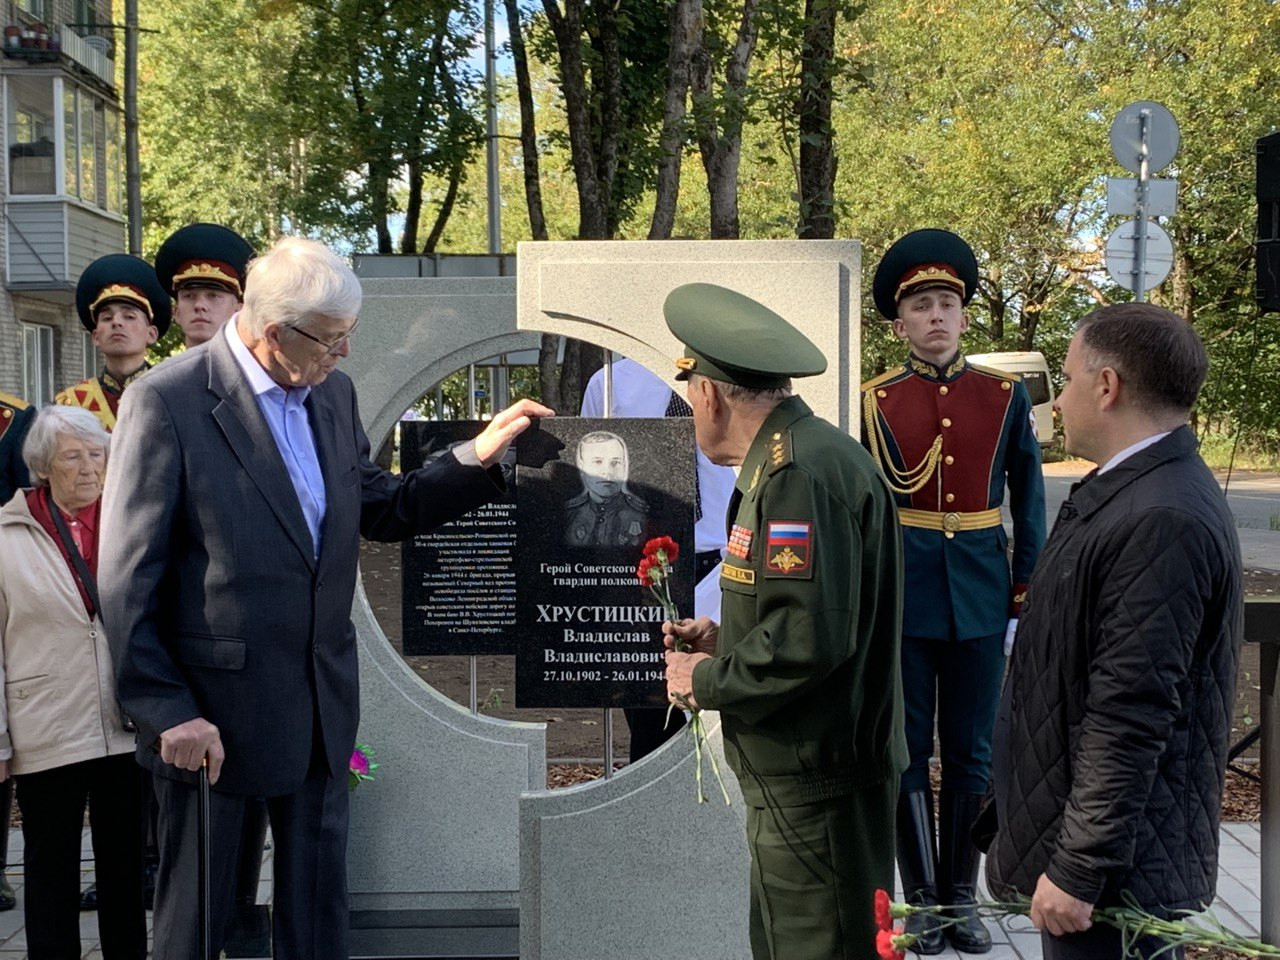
{"x": 920, "y": 260}
{"x": 204, "y": 255}
{"x": 128, "y": 279}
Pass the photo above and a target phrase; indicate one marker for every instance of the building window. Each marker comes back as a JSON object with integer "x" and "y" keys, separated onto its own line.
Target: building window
{"x": 37, "y": 8}
{"x": 86, "y": 16}
{"x": 37, "y": 363}
{"x": 31, "y": 135}
{"x": 87, "y": 148}
{"x": 89, "y": 369}
{"x": 93, "y": 158}
{"x": 114, "y": 162}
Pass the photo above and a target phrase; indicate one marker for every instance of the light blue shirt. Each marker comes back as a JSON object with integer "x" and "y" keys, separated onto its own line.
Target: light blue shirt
{"x": 286, "y": 416}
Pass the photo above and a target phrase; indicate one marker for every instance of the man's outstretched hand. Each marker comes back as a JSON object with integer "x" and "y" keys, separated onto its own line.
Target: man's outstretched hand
{"x": 505, "y": 427}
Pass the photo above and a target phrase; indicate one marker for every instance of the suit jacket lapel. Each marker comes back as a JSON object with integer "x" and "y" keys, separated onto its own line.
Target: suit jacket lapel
{"x": 251, "y": 440}
{"x": 323, "y": 429}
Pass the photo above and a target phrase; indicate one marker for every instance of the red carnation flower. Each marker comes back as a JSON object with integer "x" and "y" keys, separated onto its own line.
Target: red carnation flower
{"x": 884, "y": 919}
{"x": 643, "y": 571}
{"x": 668, "y": 546}
{"x": 885, "y": 947}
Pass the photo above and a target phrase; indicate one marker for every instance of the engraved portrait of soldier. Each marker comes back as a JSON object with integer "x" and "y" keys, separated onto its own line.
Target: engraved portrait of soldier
{"x": 605, "y": 513}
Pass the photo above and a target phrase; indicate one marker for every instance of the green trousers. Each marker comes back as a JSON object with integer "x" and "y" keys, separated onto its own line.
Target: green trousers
{"x": 814, "y": 873}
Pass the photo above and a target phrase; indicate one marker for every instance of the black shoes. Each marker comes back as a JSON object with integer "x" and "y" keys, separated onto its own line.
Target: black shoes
{"x": 958, "y": 867}
{"x": 89, "y": 899}
{"x": 917, "y": 864}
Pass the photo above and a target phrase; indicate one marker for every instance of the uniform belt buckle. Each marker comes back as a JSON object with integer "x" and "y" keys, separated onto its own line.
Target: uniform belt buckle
{"x": 951, "y": 522}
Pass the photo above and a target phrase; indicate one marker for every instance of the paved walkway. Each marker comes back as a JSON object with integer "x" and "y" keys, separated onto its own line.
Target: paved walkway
{"x": 13, "y": 938}
{"x": 1237, "y": 906}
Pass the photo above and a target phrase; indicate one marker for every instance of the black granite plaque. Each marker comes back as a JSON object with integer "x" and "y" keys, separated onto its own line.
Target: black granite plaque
{"x": 458, "y": 582}
{"x": 592, "y": 493}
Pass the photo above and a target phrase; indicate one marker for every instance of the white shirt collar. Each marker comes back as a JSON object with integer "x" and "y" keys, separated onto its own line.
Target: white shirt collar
{"x": 259, "y": 380}
{"x": 1128, "y": 452}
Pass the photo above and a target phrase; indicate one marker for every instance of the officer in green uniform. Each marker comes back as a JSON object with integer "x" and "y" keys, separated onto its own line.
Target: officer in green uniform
{"x": 804, "y": 665}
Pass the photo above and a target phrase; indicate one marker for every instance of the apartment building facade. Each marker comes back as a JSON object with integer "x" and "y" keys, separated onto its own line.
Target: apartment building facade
{"x": 64, "y": 184}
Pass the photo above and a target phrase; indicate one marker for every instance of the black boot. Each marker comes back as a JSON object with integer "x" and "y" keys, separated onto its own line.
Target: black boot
{"x": 917, "y": 862}
{"x": 958, "y": 863}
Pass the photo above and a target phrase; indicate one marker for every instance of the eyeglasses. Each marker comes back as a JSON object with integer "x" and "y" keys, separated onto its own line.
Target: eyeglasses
{"x": 330, "y": 348}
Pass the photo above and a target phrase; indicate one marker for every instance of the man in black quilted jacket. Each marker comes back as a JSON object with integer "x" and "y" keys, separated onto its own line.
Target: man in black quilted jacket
{"x": 1111, "y": 738}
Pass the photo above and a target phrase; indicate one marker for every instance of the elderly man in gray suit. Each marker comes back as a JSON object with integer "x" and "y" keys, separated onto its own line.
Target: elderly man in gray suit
{"x": 239, "y": 489}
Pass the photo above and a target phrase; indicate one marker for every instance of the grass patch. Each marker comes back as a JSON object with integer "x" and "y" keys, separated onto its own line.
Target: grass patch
{"x": 1261, "y": 456}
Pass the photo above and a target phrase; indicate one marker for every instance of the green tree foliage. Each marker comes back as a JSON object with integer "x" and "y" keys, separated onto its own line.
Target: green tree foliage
{"x": 215, "y": 137}
{"x": 305, "y": 116}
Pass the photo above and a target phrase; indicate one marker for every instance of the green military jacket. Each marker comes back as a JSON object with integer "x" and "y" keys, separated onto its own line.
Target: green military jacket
{"x": 806, "y": 674}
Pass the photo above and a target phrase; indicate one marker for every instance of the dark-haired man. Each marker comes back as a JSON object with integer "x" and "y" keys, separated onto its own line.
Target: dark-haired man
{"x": 1111, "y": 738}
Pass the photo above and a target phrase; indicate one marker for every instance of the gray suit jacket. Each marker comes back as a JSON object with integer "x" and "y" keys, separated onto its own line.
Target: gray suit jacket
{"x": 212, "y": 598}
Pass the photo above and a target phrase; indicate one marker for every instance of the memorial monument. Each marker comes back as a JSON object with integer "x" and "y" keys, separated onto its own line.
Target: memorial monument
{"x": 459, "y": 827}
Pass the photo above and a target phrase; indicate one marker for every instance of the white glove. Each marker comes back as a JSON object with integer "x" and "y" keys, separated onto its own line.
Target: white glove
{"x": 1010, "y": 632}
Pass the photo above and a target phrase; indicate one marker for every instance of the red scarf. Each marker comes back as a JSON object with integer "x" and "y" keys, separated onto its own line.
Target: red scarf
{"x": 83, "y": 528}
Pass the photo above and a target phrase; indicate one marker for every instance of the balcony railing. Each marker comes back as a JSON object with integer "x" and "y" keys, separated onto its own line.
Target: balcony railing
{"x": 93, "y": 52}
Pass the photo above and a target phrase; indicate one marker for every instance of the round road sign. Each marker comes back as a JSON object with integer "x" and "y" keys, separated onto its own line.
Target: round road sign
{"x": 1162, "y": 136}
{"x": 1122, "y": 255}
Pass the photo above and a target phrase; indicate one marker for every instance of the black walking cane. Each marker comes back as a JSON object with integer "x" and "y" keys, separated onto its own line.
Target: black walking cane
{"x": 202, "y": 890}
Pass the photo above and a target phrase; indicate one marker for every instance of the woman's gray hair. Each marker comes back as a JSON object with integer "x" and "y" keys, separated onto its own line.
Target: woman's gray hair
{"x": 294, "y": 282}
{"x": 42, "y": 437}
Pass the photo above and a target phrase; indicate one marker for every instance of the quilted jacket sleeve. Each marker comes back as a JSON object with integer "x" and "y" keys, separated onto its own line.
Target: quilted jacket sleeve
{"x": 1152, "y": 606}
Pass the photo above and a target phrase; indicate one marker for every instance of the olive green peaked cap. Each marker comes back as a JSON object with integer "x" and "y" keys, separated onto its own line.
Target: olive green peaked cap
{"x": 730, "y": 337}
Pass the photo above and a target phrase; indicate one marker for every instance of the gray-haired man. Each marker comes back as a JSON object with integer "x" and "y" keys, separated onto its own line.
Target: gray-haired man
{"x": 236, "y": 500}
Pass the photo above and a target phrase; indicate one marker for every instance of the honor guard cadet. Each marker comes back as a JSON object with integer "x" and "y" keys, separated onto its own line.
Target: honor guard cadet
{"x": 203, "y": 266}
{"x": 949, "y": 435}
{"x": 15, "y": 417}
{"x": 803, "y": 666}
{"x": 125, "y": 310}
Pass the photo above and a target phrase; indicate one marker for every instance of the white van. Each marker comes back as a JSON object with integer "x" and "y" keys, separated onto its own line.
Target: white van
{"x": 1034, "y": 371}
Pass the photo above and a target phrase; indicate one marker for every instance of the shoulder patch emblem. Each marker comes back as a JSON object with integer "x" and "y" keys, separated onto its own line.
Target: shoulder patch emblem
{"x": 789, "y": 549}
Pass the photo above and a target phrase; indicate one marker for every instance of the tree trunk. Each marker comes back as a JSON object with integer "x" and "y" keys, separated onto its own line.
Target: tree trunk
{"x": 686, "y": 15}
{"x": 528, "y": 131}
{"x": 446, "y": 208}
{"x": 610, "y": 66}
{"x": 413, "y": 211}
{"x": 380, "y": 202}
{"x": 817, "y": 147}
{"x": 721, "y": 143}
{"x": 549, "y": 370}
{"x": 567, "y": 28}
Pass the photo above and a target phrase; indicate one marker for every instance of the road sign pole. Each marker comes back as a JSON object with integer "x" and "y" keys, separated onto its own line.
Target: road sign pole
{"x": 1144, "y": 204}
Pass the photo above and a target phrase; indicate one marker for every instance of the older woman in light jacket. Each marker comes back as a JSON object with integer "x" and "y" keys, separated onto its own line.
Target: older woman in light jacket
{"x": 62, "y": 736}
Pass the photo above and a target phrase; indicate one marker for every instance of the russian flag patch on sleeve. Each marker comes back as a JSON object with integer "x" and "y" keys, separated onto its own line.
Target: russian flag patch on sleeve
{"x": 789, "y": 549}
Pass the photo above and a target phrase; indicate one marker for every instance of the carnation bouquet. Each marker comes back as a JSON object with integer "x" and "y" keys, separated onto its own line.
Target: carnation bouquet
{"x": 1184, "y": 928}
{"x": 655, "y": 571}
